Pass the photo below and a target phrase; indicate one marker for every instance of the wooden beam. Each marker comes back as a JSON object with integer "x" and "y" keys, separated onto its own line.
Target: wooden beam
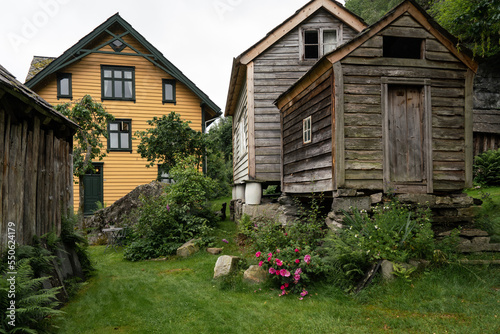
{"x": 469, "y": 140}
{"x": 339, "y": 125}
{"x": 251, "y": 120}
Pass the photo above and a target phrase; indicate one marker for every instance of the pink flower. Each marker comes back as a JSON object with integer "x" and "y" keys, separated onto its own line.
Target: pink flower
{"x": 298, "y": 271}
{"x": 260, "y": 263}
{"x": 307, "y": 259}
{"x": 224, "y": 240}
{"x": 272, "y": 270}
{"x": 168, "y": 207}
{"x": 257, "y": 254}
{"x": 277, "y": 272}
{"x": 296, "y": 250}
{"x": 282, "y": 287}
{"x": 277, "y": 251}
{"x": 270, "y": 254}
{"x": 286, "y": 285}
{"x": 297, "y": 261}
{"x": 279, "y": 263}
{"x": 269, "y": 259}
{"x": 303, "y": 293}
{"x": 301, "y": 298}
{"x": 296, "y": 277}
{"x": 284, "y": 273}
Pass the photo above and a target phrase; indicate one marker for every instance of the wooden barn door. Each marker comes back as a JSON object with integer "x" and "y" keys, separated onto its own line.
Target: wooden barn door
{"x": 406, "y": 138}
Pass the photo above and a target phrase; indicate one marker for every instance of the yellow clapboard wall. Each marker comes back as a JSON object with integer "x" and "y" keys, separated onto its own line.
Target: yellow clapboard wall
{"x": 123, "y": 171}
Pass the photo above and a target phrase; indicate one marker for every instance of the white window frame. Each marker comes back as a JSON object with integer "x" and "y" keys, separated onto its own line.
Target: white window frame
{"x": 242, "y": 138}
{"x": 307, "y": 130}
{"x": 321, "y": 45}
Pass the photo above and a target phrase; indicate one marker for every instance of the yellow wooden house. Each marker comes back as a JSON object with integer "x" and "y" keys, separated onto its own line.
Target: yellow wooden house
{"x": 119, "y": 67}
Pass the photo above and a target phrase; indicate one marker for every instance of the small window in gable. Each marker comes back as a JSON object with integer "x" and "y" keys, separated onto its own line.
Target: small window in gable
{"x": 64, "y": 89}
{"x": 311, "y": 44}
{"x": 307, "y": 130}
{"x": 117, "y": 45}
{"x": 120, "y": 135}
{"x": 318, "y": 42}
{"x": 403, "y": 47}
{"x": 169, "y": 91}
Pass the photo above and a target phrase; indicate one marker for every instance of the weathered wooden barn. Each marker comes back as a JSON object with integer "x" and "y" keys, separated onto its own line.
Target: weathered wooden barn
{"x": 487, "y": 106}
{"x": 389, "y": 111}
{"x": 36, "y": 175}
{"x": 264, "y": 71}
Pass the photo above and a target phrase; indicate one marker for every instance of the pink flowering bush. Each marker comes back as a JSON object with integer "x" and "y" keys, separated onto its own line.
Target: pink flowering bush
{"x": 291, "y": 268}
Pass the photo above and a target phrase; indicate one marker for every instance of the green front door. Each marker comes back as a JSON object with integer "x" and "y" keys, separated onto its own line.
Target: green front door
{"x": 93, "y": 189}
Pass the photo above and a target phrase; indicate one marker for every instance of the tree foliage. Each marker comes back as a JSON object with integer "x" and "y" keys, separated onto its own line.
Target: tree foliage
{"x": 476, "y": 23}
{"x": 93, "y": 121}
{"x": 168, "y": 138}
{"x": 372, "y": 10}
{"x": 220, "y": 155}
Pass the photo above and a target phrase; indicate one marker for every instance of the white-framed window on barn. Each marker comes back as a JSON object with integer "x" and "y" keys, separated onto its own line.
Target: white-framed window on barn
{"x": 163, "y": 175}
{"x": 242, "y": 138}
{"x": 315, "y": 43}
{"x": 307, "y": 130}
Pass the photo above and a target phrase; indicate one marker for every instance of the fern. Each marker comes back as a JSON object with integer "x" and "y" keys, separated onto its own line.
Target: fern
{"x": 487, "y": 168}
{"x": 34, "y": 305}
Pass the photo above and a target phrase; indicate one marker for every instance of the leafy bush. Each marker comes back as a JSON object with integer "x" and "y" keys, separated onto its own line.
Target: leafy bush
{"x": 395, "y": 233}
{"x": 489, "y": 217}
{"x": 487, "y": 168}
{"x": 180, "y": 215}
{"x": 289, "y": 252}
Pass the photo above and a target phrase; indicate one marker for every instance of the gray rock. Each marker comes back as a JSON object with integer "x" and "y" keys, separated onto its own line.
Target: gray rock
{"x": 387, "y": 270}
{"x": 376, "y": 198}
{"x": 214, "y": 251}
{"x": 225, "y": 265}
{"x": 254, "y": 275}
{"x": 188, "y": 249}
{"x": 348, "y": 203}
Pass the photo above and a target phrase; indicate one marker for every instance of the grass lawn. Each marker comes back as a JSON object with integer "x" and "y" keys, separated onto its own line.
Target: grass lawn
{"x": 179, "y": 296}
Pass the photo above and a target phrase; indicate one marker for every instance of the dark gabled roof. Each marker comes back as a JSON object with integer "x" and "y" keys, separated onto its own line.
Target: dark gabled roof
{"x": 19, "y": 91}
{"x": 78, "y": 51}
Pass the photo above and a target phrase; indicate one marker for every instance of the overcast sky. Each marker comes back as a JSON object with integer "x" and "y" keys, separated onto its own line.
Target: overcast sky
{"x": 200, "y": 37}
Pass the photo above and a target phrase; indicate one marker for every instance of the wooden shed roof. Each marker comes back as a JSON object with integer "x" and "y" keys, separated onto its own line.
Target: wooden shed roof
{"x": 79, "y": 50}
{"x": 407, "y": 6}
{"x": 239, "y": 63}
{"x": 10, "y": 85}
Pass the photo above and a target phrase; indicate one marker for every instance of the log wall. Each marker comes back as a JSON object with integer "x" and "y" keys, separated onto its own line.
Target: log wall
{"x": 36, "y": 175}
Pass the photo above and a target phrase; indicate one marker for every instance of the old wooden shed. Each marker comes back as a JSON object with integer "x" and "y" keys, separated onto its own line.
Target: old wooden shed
{"x": 36, "y": 175}
{"x": 391, "y": 110}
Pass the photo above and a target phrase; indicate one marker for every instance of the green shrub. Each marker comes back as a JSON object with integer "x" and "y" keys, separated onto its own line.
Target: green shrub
{"x": 489, "y": 217}
{"x": 487, "y": 168}
{"x": 181, "y": 214}
{"x": 395, "y": 233}
{"x": 290, "y": 253}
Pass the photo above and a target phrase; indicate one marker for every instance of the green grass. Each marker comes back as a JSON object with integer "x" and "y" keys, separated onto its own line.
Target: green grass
{"x": 179, "y": 296}
{"x": 493, "y": 192}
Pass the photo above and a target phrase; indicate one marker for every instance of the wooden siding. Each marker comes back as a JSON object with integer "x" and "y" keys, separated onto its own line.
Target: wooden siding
{"x": 275, "y": 70}
{"x": 362, "y": 73}
{"x": 36, "y": 174}
{"x": 240, "y": 150}
{"x": 309, "y": 167}
{"x": 123, "y": 171}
